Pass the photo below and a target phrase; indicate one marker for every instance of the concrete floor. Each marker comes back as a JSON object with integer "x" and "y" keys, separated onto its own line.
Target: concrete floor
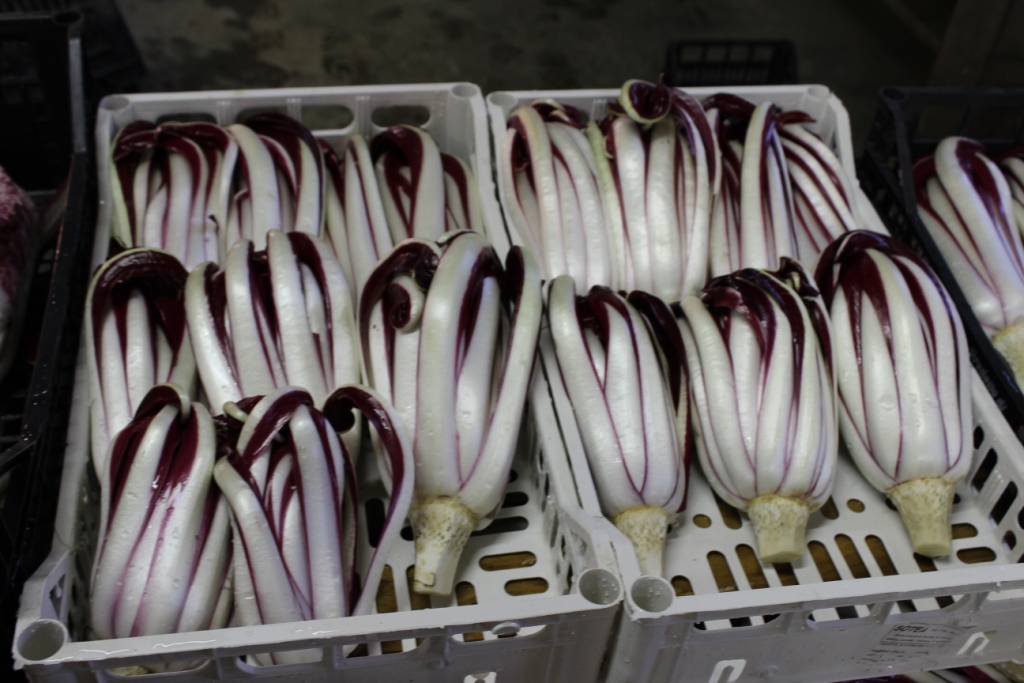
{"x": 852, "y": 46}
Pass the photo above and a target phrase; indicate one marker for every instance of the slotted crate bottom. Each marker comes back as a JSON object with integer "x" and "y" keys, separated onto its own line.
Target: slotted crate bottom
{"x": 855, "y": 535}
{"x": 514, "y": 558}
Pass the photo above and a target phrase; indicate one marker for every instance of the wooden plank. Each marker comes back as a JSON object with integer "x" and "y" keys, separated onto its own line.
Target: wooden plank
{"x": 914, "y": 23}
{"x": 969, "y": 41}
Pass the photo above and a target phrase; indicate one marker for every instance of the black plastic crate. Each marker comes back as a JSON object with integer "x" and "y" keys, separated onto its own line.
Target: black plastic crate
{"x": 694, "y": 63}
{"x": 909, "y": 123}
{"x": 111, "y": 56}
{"x": 47, "y": 150}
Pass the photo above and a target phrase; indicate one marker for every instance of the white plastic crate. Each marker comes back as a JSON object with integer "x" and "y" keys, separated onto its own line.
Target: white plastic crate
{"x": 859, "y": 603}
{"x": 543, "y": 575}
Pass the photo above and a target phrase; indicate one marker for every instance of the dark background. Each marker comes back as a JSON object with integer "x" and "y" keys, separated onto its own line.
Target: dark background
{"x": 852, "y": 46}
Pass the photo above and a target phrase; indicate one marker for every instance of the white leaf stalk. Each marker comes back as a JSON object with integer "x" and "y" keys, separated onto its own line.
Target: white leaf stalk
{"x": 826, "y": 202}
{"x": 1012, "y": 166}
{"x": 766, "y": 201}
{"x": 163, "y": 564}
{"x": 766, "y": 220}
{"x": 356, "y": 224}
{"x": 411, "y": 178}
{"x": 449, "y": 338}
{"x": 291, "y": 489}
{"x": 725, "y": 239}
{"x": 274, "y": 318}
{"x": 279, "y": 183}
{"x": 552, "y": 192}
{"x": 904, "y": 379}
{"x": 965, "y": 203}
{"x": 759, "y": 350}
{"x": 255, "y": 206}
{"x": 462, "y": 208}
{"x": 298, "y": 158}
{"x": 626, "y": 380}
{"x": 657, "y": 163}
{"x": 136, "y": 338}
{"x": 171, "y": 188}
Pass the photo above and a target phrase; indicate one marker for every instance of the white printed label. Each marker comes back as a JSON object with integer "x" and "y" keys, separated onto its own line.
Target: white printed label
{"x": 909, "y": 641}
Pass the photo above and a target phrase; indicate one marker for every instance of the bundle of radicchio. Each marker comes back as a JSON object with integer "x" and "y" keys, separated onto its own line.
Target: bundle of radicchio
{"x": 279, "y": 181}
{"x": 164, "y": 559}
{"x": 904, "y": 379}
{"x": 449, "y": 338}
{"x": 552, "y": 193}
{"x": 20, "y": 235}
{"x": 622, "y": 363}
{"x": 966, "y": 205}
{"x": 724, "y": 241}
{"x": 354, "y": 215}
{"x": 271, "y": 318}
{"x": 136, "y": 338}
{"x": 826, "y": 202}
{"x": 759, "y": 348}
{"x": 194, "y": 189}
{"x": 764, "y": 233}
{"x": 425, "y": 193}
{"x": 172, "y": 187}
{"x": 659, "y": 170}
{"x": 291, "y": 488}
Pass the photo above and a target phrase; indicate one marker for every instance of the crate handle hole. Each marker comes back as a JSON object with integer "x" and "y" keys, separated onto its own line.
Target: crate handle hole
{"x": 600, "y": 586}
{"x": 652, "y": 593}
{"x": 466, "y": 90}
{"x": 115, "y": 103}
{"x": 819, "y": 91}
{"x": 42, "y": 639}
{"x": 505, "y": 100}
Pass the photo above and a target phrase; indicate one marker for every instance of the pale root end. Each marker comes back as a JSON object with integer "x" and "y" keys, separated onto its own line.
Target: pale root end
{"x": 645, "y": 527}
{"x": 442, "y": 526}
{"x": 925, "y": 506}
{"x": 779, "y": 526}
{"x": 1012, "y": 670}
{"x": 1009, "y": 342}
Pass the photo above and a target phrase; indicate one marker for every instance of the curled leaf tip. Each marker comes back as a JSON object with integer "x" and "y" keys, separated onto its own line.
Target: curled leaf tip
{"x": 645, "y": 102}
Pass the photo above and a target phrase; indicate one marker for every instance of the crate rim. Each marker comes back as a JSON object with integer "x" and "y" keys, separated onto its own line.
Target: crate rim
{"x": 322, "y": 633}
{"x": 73, "y": 19}
{"x": 463, "y": 89}
{"x": 965, "y": 581}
